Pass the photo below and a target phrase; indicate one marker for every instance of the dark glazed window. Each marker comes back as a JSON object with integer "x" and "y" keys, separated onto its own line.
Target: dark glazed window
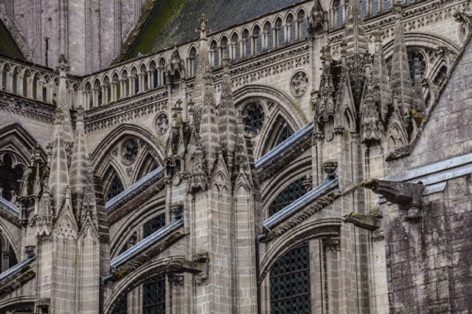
{"x": 116, "y": 187}
{"x": 253, "y": 118}
{"x": 285, "y": 134}
{"x": 290, "y": 283}
{"x": 153, "y": 225}
{"x": 122, "y": 306}
{"x": 291, "y": 193}
{"x": 154, "y": 295}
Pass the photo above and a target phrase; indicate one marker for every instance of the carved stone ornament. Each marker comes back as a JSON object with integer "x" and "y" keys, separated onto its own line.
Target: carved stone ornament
{"x": 176, "y": 280}
{"x": 332, "y": 244}
{"x": 299, "y": 84}
{"x": 162, "y": 123}
{"x": 330, "y": 166}
{"x": 129, "y": 151}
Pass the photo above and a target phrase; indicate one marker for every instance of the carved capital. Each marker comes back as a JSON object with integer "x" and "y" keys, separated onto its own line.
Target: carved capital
{"x": 332, "y": 245}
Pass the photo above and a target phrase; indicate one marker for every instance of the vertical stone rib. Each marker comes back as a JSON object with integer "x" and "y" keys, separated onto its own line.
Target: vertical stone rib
{"x": 227, "y": 122}
{"x": 202, "y": 68}
{"x": 400, "y": 79}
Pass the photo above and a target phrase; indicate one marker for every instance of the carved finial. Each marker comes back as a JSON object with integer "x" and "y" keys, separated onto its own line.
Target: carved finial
{"x": 397, "y": 10}
{"x": 226, "y": 64}
{"x": 203, "y": 28}
{"x": 63, "y": 67}
{"x": 378, "y": 33}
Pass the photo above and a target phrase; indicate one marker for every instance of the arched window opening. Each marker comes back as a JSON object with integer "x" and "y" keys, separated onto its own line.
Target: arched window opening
{"x": 280, "y": 33}
{"x": 153, "y": 70}
{"x": 294, "y": 191}
{"x": 154, "y": 295}
{"x": 224, "y": 48}
{"x": 193, "y": 61}
{"x": 215, "y": 56}
{"x": 236, "y": 53}
{"x": 269, "y": 37}
{"x": 153, "y": 225}
{"x": 257, "y": 38}
{"x": 144, "y": 78}
{"x": 302, "y": 29}
{"x": 35, "y": 86}
{"x": 135, "y": 81}
{"x": 15, "y": 81}
{"x": 26, "y": 84}
{"x": 247, "y": 44}
{"x": 162, "y": 72}
{"x": 117, "y": 86}
{"x": 291, "y": 27}
{"x": 98, "y": 94}
{"x": 290, "y": 282}
{"x": 115, "y": 187}
{"x": 387, "y": 5}
{"x": 107, "y": 86}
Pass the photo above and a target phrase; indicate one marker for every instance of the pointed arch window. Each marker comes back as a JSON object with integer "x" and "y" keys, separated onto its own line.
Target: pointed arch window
{"x": 302, "y": 26}
{"x": 440, "y": 76}
{"x": 387, "y": 5}
{"x": 11, "y": 173}
{"x": 154, "y": 295}
{"x": 280, "y": 38}
{"x": 236, "y": 48}
{"x": 224, "y": 48}
{"x": 284, "y": 134}
{"x": 412, "y": 55}
{"x": 364, "y": 8}
{"x": 115, "y": 188}
{"x": 257, "y": 39}
{"x": 215, "y": 55}
{"x": 294, "y": 191}
{"x": 247, "y": 44}
{"x": 269, "y": 37}
{"x": 291, "y": 28}
{"x": 290, "y": 282}
{"x": 339, "y": 13}
{"x": 5, "y": 71}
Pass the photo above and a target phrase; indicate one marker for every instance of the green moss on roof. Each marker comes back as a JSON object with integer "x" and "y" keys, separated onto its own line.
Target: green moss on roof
{"x": 173, "y": 22}
{"x": 8, "y": 47}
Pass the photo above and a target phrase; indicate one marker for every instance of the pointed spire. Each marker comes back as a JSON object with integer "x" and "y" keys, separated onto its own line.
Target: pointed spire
{"x": 227, "y": 122}
{"x": 44, "y": 216}
{"x": 380, "y": 77}
{"x": 62, "y": 99}
{"x": 356, "y": 48}
{"x": 202, "y": 68}
{"x": 59, "y": 170}
{"x": 78, "y": 171}
{"x": 89, "y": 207}
{"x": 400, "y": 74}
{"x": 209, "y": 127}
{"x": 419, "y": 101}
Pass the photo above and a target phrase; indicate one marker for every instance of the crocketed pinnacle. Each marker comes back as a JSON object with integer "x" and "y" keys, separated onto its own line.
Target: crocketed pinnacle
{"x": 325, "y": 101}
{"x": 59, "y": 172}
{"x": 383, "y": 92}
{"x": 371, "y": 126}
{"x": 400, "y": 74}
{"x": 209, "y": 127}
{"x": 356, "y": 48}
{"x": 89, "y": 208}
{"x": 78, "y": 171}
{"x": 227, "y": 122}
{"x": 202, "y": 68}
{"x": 62, "y": 100}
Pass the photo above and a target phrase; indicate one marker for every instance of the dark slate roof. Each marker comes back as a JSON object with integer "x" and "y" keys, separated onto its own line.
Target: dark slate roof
{"x": 173, "y": 22}
{"x": 8, "y": 47}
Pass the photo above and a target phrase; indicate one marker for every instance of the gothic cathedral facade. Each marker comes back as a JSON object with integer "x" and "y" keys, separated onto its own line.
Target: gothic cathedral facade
{"x": 235, "y": 156}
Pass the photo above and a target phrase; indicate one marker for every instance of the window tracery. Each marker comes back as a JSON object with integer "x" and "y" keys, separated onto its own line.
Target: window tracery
{"x": 153, "y": 225}
{"x": 253, "y": 118}
{"x": 412, "y": 55}
{"x": 154, "y": 295}
{"x": 290, "y": 282}
{"x": 115, "y": 188}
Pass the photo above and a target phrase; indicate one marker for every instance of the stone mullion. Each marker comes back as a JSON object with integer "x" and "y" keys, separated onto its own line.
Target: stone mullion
{"x": 9, "y": 81}
{"x": 122, "y": 83}
{"x": 331, "y": 248}
{"x": 29, "y": 87}
{"x": 104, "y": 94}
{"x": 113, "y": 91}
{"x": 316, "y": 279}
{"x": 50, "y": 91}
{"x": 150, "y": 79}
